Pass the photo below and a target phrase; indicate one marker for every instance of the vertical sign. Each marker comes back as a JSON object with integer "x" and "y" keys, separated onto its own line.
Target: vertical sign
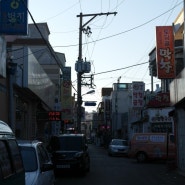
{"x": 66, "y": 94}
{"x": 165, "y": 52}
{"x": 13, "y": 17}
{"x": 138, "y": 94}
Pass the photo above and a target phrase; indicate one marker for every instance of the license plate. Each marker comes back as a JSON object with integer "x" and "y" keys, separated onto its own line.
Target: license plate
{"x": 63, "y": 166}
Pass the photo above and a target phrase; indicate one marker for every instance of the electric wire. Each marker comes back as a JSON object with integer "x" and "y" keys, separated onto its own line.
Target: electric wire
{"x": 27, "y": 54}
{"x": 46, "y": 42}
{"x": 110, "y": 37}
{"x": 62, "y": 11}
{"x": 120, "y": 68}
{"x": 126, "y": 31}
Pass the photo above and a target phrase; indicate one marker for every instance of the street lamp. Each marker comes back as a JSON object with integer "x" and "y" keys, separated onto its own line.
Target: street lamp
{"x": 89, "y": 92}
{"x": 91, "y": 103}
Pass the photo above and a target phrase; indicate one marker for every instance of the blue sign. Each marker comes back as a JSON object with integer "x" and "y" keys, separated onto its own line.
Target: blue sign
{"x": 90, "y": 103}
{"x": 13, "y": 17}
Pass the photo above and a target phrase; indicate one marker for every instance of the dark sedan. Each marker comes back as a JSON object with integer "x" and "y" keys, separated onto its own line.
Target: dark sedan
{"x": 70, "y": 152}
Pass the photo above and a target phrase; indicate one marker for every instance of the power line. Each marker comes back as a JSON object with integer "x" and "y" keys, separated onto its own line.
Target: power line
{"x": 120, "y": 68}
{"x": 140, "y": 24}
{"x": 27, "y": 54}
{"x": 116, "y": 69}
{"x": 46, "y": 42}
{"x": 131, "y": 29}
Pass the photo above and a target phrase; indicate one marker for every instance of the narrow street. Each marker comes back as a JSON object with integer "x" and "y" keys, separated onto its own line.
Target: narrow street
{"x": 122, "y": 170}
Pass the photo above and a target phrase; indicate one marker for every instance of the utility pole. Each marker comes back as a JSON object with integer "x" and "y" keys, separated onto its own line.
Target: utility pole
{"x": 80, "y": 60}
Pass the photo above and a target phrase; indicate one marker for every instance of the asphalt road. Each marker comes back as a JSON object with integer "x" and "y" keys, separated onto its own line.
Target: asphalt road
{"x": 122, "y": 171}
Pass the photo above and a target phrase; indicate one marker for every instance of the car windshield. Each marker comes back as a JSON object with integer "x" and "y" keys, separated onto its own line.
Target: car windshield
{"x": 29, "y": 158}
{"x": 68, "y": 143}
{"x": 119, "y": 142}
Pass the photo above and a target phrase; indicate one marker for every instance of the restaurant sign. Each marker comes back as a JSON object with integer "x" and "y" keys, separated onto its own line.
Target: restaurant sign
{"x": 165, "y": 52}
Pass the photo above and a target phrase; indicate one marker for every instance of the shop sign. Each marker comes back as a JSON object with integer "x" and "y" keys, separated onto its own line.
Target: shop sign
{"x": 165, "y": 52}
{"x": 158, "y": 100}
{"x": 49, "y": 116}
{"x": 138, "y": 94}
{"x": 162, "y": 127}
{"x": 13, "y": 17}
{"x": 161, "y": 118}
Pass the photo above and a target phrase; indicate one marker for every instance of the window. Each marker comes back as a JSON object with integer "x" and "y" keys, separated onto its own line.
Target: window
{"x": 122, "y": 86}
{"x": 16, "y": 156}
{"x": 43, "y": 155}
{"x": 71, "y": 143}
{"x": 29, "y": 158}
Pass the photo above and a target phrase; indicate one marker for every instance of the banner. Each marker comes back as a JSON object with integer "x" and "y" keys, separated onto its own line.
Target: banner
{"x": 165, "y": 52}
{"x": 13, "y": 17}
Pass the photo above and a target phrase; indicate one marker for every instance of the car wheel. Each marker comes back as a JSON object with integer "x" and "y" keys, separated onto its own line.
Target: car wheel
{"x": 141, "y": 157}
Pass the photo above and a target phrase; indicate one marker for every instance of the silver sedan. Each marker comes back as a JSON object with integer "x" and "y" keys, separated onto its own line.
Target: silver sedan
{"x": 118, "y": 147}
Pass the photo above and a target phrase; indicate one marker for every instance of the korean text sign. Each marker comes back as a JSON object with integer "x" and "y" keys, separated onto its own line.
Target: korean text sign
{"x": 13, "y": 17}
{"x": 138, "y": 94}
{"x": 165, "y": 52}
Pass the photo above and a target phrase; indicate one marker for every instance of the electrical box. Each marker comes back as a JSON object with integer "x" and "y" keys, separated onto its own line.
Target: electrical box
{"x": 82, "y": 67}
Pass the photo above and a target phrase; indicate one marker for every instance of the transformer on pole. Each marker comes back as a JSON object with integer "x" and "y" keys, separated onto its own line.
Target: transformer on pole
{"x": 81, "y": 66}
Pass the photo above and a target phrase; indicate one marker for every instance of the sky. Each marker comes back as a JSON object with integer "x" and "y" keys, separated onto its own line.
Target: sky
{"x": 118, "y": 45}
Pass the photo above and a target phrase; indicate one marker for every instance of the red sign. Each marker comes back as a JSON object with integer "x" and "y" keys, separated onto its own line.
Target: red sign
{"x": 49, "y": 116}
{"x": 138, "y": 94}
{"x": 159, "y": 100}
{"x": 54, "y": 116}
{"x": 165, "y": 52}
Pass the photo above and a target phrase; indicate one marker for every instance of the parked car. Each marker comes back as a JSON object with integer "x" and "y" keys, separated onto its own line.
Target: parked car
{"x": 37, "y": 163}
{"x": 148, "y": 146}
{"x": 118, "y": 147}
{"x": 70, "y": 152}
{"x": 11, "y": 164}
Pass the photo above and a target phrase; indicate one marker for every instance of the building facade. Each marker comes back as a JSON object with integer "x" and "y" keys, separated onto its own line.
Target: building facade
{"x": 31, "y": 87}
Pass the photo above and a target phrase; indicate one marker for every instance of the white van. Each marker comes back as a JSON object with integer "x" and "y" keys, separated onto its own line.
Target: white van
{"x": 145, "y": 146}
{"x": 11, "y": 165}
